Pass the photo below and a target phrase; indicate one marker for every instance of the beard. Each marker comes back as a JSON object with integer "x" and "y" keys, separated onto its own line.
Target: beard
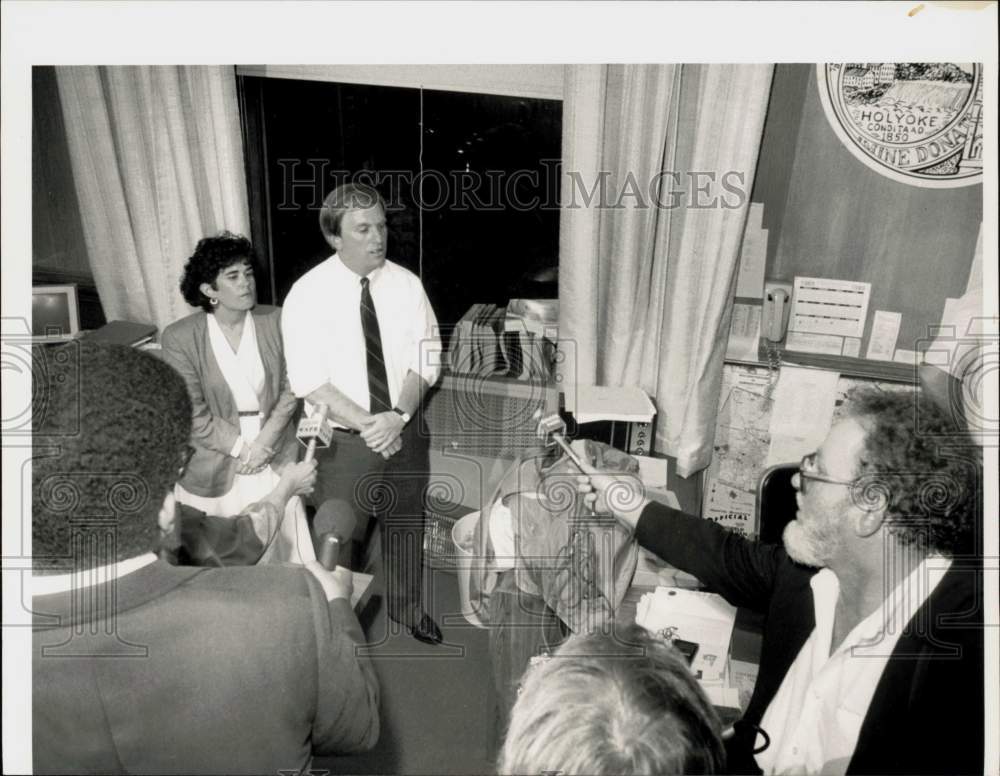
{"x": 813, "y": 543}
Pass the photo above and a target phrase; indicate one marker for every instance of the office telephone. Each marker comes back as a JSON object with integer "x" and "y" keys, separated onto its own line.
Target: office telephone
{"x": 774, "y": 318}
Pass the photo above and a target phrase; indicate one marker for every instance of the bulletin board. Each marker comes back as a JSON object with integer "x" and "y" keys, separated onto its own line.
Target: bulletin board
{"x": 745, "y": 442}
{"x": 830, "y": 214}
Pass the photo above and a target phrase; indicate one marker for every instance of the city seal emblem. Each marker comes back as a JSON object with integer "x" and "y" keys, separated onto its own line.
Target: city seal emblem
{"x": 915, "y": 122}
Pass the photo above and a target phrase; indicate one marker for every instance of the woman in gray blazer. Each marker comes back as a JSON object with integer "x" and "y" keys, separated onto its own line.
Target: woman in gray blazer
{"x": 230, "y": 355}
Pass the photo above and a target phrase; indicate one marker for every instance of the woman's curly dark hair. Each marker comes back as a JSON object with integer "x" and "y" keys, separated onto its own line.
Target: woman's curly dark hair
{"x": 211, "y": 256}
{"x": 927, "y": 474}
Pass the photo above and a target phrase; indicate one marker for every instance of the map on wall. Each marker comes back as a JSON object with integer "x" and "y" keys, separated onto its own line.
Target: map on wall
{"x": 744, "y": 436}
{"x": 919, "y": 123}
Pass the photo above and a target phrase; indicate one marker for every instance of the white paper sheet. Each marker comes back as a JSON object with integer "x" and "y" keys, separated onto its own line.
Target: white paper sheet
{"x": 885, "y": 330}
{"x": 753, "y": 379}
{"x": 852, "y": 347}
{"x": 753, "y": 256}
{"x": 804, "y": 401}
{"x": 826, "y": 306}
{"x": 602, "y": 402}
{"x": 652, "y": 471}
{"x": 802, "y": 342}
{"x": 703, "y": 618}
{"x": 731, "y": 507}
{"x": 722, "y": 695}
{"x": 744, "y": 333}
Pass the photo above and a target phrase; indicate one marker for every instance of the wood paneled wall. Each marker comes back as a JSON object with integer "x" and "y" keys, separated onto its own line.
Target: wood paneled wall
{"x": 830, "y": 216}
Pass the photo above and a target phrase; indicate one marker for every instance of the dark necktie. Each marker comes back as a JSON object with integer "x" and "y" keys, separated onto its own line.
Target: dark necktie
{"x": 378, "y": 383}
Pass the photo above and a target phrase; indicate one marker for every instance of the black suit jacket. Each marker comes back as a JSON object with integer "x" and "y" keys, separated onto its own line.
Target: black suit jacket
{"x": 194, "y": 670}
{"x": 927, "y": 712}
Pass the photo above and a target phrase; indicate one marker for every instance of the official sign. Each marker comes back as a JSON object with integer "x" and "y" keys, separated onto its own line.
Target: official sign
{"x": 915, "y": 122}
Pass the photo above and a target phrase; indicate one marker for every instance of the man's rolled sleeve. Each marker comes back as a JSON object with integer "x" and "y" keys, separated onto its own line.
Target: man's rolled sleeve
{"x": 303, "y": 359}
{"x": 427, "y": 352}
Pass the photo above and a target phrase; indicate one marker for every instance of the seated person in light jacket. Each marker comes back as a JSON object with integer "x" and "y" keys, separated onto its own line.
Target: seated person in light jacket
{"x": 139, "y": 666}
{"x": 872, "y": 658}
{"x": 624, "y": 704}
{"x": 231, "y": 357}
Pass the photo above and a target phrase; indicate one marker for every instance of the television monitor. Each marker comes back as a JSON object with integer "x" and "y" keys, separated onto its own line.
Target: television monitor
{"x": 55, "y": 313}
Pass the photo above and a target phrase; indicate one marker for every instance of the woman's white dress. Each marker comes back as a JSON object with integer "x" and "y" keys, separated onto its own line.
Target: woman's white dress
{"x": 244, "y": 373}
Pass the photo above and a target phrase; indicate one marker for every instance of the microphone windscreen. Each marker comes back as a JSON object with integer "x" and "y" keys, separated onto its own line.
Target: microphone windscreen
{"x": 335, "y": 516}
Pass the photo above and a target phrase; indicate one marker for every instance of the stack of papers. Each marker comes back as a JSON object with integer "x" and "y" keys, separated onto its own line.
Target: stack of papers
{"x": 703, "y": 618}
{"x": 604, "y": 402}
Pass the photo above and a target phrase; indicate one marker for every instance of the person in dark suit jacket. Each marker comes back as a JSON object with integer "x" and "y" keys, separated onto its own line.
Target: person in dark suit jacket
{"x": 872, "y": 655}
{"x": 231, "y": 357}
{"x": 139, "y": 666}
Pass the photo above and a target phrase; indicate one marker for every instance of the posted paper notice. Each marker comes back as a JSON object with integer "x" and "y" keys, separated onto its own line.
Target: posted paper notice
{"x": 753, "y": 256}
{"x": 885, "y": 330}
{"x": 825, "y": 306}
{"x": 744, "y": 333}
{"x": 828, "y": 344}
{"x": 804, "y": 401}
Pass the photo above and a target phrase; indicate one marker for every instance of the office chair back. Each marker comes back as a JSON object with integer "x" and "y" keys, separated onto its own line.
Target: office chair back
{"x": 775, "y": 502}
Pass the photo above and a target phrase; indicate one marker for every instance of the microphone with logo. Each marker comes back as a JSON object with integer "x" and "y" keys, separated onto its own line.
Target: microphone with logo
{"x": 334, "y": 524}
{"x": 314, "y": 431}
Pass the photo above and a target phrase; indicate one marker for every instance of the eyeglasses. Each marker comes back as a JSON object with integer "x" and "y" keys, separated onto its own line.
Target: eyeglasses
{"x": 806, "y": 473}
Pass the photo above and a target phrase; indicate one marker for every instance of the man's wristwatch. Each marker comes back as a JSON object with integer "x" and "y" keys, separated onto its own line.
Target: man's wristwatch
{"x": 404, "y": 415}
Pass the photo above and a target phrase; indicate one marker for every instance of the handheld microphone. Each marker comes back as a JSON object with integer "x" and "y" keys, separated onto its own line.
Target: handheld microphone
{"x": 315, "y": 432}
{"x": 334, "y": 524}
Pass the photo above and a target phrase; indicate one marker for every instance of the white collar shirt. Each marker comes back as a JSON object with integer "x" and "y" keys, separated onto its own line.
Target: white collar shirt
{"x": 50, "y": 584}
{"x": 814, "y": 719}
{"x": 324, "y": 341}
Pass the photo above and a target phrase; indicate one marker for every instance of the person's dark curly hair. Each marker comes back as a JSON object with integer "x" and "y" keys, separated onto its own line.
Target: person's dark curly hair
{"x": 111, "y": 427}
{"x": 211, "y": 256}
{"x": 928, "y": 475}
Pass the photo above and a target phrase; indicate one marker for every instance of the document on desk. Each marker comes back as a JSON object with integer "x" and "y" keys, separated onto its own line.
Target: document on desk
{"x": 703, "y": 618}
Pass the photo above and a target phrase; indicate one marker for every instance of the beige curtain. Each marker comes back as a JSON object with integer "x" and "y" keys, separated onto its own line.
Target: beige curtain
{"x": 157, "y": 163}
{"x": 647, "y": 262}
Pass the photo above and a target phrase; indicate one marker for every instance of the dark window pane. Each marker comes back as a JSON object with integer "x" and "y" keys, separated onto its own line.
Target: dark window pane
{"x": 472, "y": 193}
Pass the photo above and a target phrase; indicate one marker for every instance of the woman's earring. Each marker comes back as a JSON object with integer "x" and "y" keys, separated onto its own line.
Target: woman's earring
{"x": 213, "y": 300}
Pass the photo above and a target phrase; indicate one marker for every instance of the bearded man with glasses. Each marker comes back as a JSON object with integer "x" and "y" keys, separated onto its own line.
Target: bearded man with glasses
{"x": 872, "y": 655}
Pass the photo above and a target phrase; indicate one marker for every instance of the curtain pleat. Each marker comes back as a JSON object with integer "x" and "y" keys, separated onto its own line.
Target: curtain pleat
{"x": 650, "y": 302}
{"x": 158, "y": 164}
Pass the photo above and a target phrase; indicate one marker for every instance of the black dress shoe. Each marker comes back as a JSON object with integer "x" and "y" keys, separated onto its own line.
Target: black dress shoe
{"x": 426, "y": 631}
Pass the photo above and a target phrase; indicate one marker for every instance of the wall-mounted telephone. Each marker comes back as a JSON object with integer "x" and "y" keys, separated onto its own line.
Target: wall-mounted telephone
{"x": 774, "y": 318}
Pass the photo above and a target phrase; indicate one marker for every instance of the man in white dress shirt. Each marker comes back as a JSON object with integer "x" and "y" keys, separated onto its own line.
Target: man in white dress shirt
{"x": 361, "y": 337}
